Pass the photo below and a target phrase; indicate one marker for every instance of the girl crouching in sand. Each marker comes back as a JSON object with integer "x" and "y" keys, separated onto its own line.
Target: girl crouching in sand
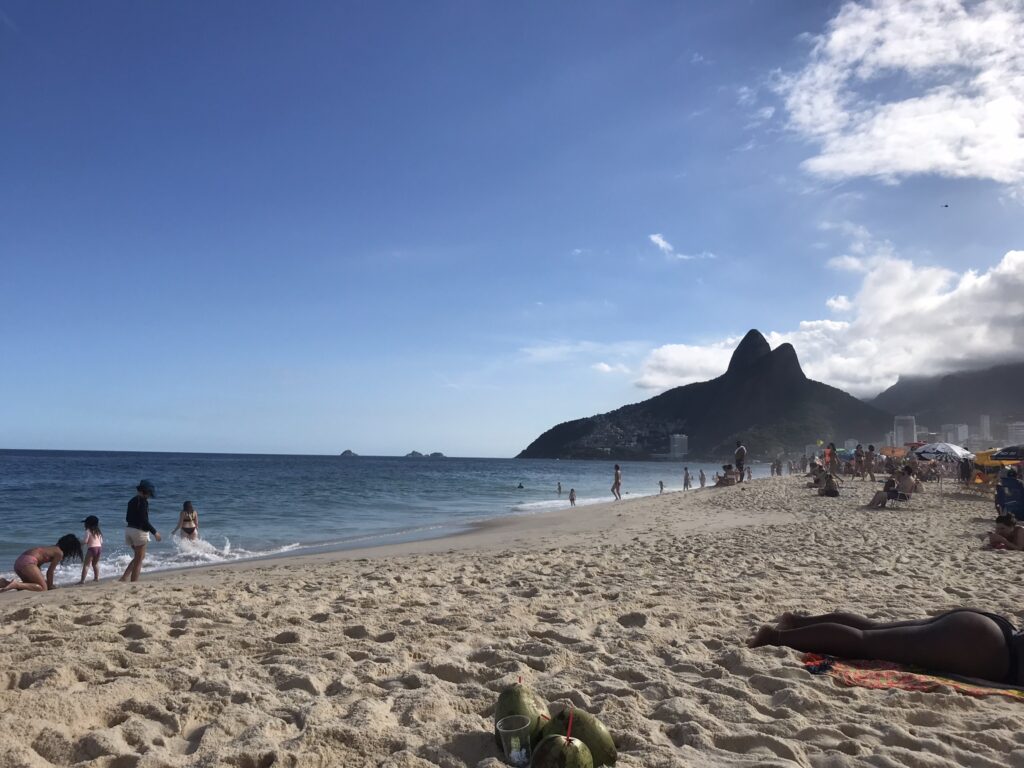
{"x": 26, "y": 567}
{"x": 962, "y": 642}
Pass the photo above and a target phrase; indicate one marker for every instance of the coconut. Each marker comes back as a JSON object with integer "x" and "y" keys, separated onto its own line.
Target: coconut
{"x": 587, "y": 729}
{"x": 561, "y": 752}
{"x": 519, "y": 700}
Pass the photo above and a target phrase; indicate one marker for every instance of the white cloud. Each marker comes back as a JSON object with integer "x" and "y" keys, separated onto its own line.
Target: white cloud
{"x": 847, "y": 263}
{"x": 745, "y": 96}
{"x": 895, "y": 88}
{"x": 839, "y": 303}
{"x": 696, "y": 58}
{"x": 664, "y": 245}
{"x": 674, "y": 364}
{"x": 603, "y": 367}
{"x": 905, "y": 318}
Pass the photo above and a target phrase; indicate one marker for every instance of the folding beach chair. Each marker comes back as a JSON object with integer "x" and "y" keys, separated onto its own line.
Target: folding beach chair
{"x": 901, "y": 500}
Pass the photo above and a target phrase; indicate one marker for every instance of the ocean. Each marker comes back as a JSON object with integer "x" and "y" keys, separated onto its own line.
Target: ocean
{"x": 254, "y": 506}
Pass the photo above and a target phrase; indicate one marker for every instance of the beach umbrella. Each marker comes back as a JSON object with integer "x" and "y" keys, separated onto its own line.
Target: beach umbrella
{"x": 1010, "y": 453}
{"x": 942, "y": 452}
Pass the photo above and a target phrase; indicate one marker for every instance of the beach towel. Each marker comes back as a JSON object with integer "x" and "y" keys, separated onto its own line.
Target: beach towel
{"x": 885, "y": 674}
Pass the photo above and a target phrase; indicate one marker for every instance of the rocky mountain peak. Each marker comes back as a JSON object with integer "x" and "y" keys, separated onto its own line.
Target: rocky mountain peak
{"x": 753, "y": 347}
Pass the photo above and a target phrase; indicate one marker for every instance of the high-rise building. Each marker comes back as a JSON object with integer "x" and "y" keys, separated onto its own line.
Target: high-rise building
{"x": 904, "y": 430}
{"x": 954, "y": 433}
{"x": 1015, "y": 432}
{"x": 985, "y": 426}
{"x": 678, "y": 446}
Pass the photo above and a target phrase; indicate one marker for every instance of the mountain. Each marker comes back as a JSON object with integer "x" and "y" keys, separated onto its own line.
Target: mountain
{"x": 763, "y": 398}
{"x": 958, "y": 398}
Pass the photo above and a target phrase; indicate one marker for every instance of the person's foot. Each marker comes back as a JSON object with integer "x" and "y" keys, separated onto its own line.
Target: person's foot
{"x": 764, "y": 636}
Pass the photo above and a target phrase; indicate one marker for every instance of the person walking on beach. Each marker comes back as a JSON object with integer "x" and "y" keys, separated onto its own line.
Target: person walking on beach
{"x": 138, "y": 528}
{"x": 661, "y": 487}
{"x": 687, "y": 480}
{"x": 572, "y": 497}
{"x": 702, "y": 477}
{"x": 26, "y": 567}
{"x": 741, "y": 457}
{"x": 93, "y": 548}
{"x": 188, "y": 522}
{"x": 559, "y": 487}
{"x": 869, "y": 464}
{"x": 617, "y": 484}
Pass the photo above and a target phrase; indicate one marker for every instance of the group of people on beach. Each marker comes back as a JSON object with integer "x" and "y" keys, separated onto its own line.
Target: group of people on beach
{"x": 89, "y": 549}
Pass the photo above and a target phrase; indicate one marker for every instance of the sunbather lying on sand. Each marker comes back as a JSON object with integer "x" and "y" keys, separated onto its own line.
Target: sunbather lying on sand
{"x": 1007, "y": 535}
{"x": 961, "y": 642}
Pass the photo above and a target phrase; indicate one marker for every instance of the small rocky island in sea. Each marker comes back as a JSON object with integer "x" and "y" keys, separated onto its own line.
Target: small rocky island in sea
{"x": 348, "y": 454}
{"x": 414, "y": 455}
{"x": 418, "y": 455}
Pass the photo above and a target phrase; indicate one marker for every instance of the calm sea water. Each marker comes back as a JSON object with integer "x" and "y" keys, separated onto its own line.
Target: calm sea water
{"x": 256, "y": 506}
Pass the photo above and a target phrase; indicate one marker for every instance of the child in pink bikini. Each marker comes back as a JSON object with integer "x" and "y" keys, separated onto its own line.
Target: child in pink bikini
{"x": 93, "y": 544}
{"x": 26, "y": 567}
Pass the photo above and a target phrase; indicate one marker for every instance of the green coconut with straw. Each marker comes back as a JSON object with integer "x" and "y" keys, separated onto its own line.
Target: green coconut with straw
{"x": 586, "y": 728}
{"x": 517, "y": 699}
{"x": 558, "y": 751}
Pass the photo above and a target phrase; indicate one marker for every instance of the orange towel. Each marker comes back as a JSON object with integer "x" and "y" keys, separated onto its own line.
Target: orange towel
{"x": 885, "y": 674}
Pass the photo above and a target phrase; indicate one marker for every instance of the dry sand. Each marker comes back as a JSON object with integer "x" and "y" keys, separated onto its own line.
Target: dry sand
{"x": 636, "y": 611}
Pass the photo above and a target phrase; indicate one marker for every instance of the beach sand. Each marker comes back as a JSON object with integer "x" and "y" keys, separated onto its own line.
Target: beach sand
{"x": 635, "y": 611}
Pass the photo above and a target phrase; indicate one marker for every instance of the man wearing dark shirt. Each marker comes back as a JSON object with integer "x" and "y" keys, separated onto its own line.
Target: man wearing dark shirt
{"x": 741, "y": 457}
{"x": 138, "y": 528}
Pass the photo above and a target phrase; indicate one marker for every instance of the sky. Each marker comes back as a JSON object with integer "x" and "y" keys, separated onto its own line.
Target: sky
{"x": 448, "y": 226}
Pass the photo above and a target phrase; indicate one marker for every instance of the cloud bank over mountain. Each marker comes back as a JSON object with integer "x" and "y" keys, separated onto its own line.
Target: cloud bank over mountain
{"x": 903, "y": 319}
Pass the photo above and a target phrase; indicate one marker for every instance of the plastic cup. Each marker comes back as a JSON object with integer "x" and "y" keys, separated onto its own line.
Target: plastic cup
{"x": 514, "y": 732}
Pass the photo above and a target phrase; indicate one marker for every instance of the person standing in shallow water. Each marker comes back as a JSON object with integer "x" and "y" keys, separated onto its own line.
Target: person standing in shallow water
{"x": 687, "y": 480}
{"x": 572, "y": 497}
{"x": 138, "y": 528}
{"x": 703, "y": 478}
{"x": 617, "y": 484}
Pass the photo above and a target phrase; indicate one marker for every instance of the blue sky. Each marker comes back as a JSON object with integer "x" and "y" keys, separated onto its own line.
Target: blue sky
{"x": 431, "y": 226}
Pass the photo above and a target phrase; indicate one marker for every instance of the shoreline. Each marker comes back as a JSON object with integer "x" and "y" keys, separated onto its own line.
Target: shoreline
{"x": 480, "y": 535}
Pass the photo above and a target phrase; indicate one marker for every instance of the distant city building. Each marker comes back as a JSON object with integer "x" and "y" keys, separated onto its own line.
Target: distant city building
{"x": 1015, "y": 432}
{"x": 678, "y": 446}
{"x": 955, "y": 433}
{"x": 890, "y": 438}
{"x": 985, "y": 426}
{"x": 976, "y": 443}
{"x": 904, "y": 430}
{"x": 850, "y": 444}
